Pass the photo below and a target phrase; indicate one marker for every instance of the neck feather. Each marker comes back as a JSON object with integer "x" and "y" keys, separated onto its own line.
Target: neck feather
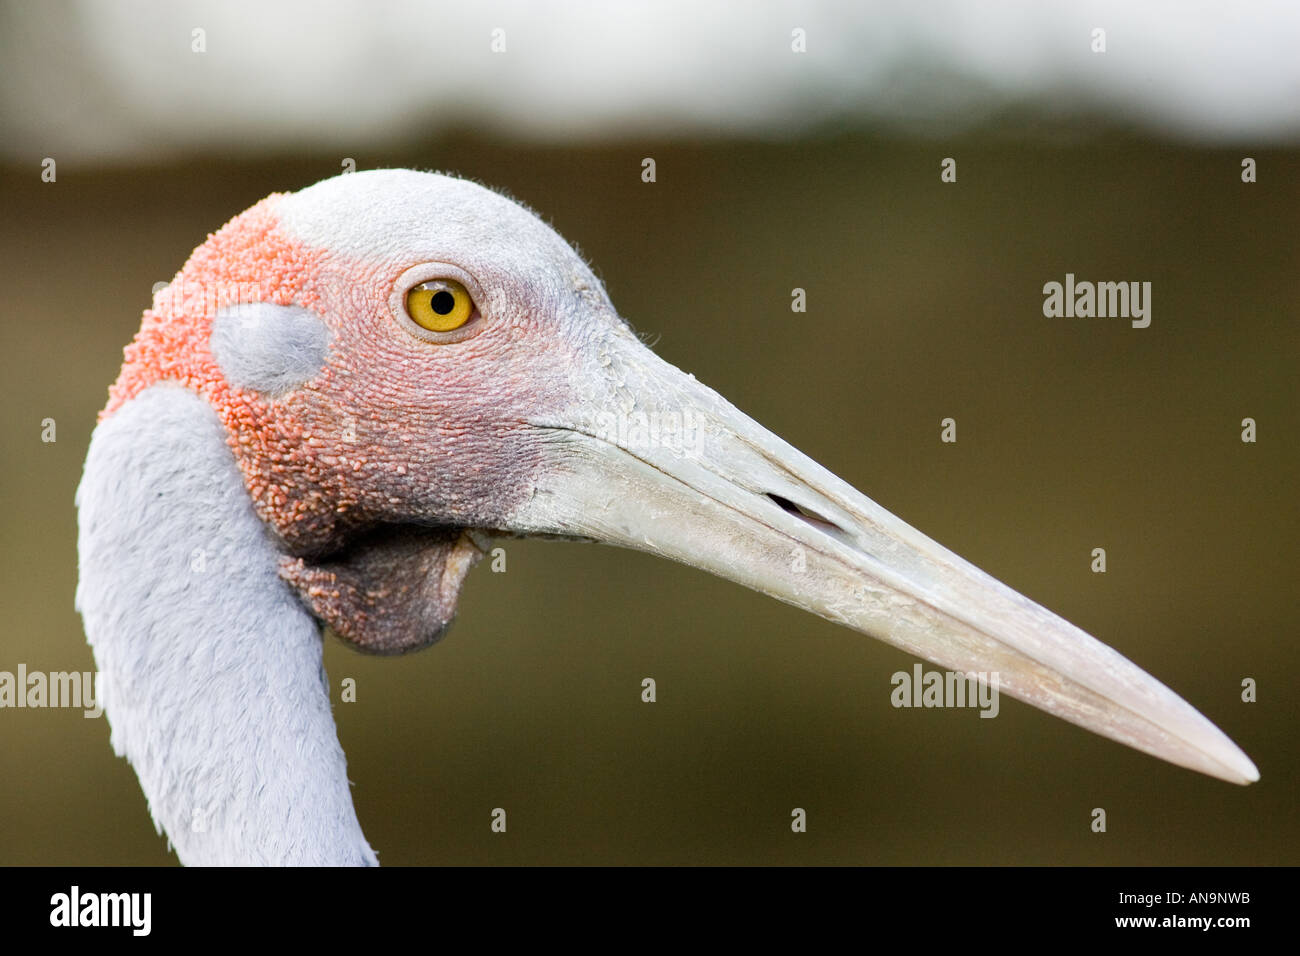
{"x": 211, "y": 669}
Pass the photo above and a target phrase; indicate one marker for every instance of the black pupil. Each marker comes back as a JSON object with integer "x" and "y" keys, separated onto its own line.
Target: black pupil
{"x": 443, "y": 302}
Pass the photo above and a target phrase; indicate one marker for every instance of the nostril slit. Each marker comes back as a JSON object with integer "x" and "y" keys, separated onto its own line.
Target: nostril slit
{"x": 788, "y": 506}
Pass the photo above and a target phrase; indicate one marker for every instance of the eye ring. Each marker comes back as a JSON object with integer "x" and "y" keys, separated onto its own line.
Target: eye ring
{"x": 437, "y": 303}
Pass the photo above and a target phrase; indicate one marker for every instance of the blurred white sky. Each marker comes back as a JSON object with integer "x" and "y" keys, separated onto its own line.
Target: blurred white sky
{"x": 119, "y": 80}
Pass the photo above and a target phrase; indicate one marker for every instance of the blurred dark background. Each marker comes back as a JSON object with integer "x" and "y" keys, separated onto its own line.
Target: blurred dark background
{"x": 924, "y": 302}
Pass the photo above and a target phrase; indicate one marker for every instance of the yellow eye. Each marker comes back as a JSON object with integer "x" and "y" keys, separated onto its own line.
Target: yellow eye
{"x": 440, "y": 305}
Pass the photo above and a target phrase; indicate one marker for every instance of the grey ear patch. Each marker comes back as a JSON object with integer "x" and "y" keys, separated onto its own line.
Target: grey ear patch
{"x": 267, "y": 348}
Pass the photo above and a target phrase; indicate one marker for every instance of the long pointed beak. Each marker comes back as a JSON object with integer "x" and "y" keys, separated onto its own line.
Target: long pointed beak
{"x": 668, "y": 466}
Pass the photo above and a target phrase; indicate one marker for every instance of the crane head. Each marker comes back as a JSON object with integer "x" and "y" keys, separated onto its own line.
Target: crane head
{"x": 408, "y": 365}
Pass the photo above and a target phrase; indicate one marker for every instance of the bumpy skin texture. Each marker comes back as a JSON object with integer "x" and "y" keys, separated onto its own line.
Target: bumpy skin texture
{"x": 393, "y": 431}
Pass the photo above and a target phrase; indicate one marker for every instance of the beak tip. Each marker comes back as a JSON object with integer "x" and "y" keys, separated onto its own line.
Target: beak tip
{"x": 1230, "y": 763}
{"x": 1249, "y": 773}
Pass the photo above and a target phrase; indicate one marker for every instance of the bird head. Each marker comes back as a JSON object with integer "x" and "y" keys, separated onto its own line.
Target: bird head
{"x": 409, "y": 364}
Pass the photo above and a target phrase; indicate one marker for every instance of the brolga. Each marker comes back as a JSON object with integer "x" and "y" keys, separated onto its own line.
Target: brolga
{"x": 339, "y": 401}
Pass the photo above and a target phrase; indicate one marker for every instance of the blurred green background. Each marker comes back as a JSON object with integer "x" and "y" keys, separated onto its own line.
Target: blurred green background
{"x": 924, "y": 301}
{"x": 776, "y": 169}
